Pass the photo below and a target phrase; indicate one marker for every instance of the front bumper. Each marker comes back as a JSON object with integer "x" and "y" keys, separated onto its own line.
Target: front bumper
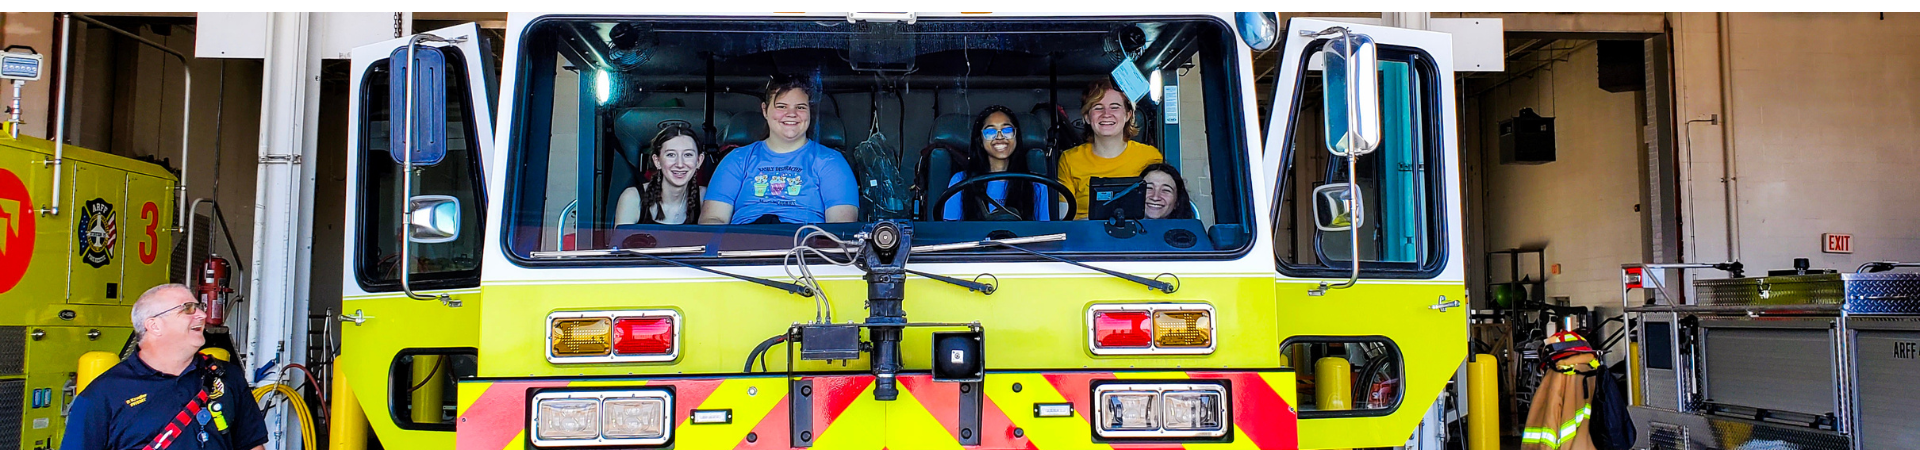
{"x": 838, "y": 411}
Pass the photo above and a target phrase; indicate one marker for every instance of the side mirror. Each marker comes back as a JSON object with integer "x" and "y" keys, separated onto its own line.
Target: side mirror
{"x": 1334, "y": 208}
{"x": 428, "y": 90}
{"x": 432, "y": 219}
{"x": 1352, "y": 93}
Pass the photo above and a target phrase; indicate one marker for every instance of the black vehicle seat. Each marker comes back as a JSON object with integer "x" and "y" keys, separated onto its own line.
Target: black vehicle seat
{"x": 944, "y": 156}
{"x": 829, "y": 132}
{"x": 1040, "y": 159}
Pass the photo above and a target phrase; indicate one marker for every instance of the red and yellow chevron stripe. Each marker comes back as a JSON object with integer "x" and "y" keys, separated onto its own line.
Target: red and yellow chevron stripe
{"x": 925, "y": 416}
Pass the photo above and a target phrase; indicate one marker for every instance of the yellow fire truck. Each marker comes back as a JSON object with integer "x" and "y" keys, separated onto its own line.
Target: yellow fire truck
{"x": 496, "y": 298}
{"x": 79, "y": 240}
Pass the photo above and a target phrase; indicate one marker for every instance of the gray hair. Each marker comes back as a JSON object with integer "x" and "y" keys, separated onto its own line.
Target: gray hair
{"x": 149, "y": 304}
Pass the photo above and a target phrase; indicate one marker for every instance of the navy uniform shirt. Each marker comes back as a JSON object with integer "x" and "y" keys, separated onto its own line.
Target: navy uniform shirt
{"x": 130, "y": 404}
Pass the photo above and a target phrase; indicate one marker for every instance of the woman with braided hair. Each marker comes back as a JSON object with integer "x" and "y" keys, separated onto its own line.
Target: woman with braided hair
{"x": 667, "y": 194}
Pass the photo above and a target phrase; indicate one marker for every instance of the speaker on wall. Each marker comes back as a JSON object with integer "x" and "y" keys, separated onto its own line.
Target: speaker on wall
{"x": 1623, "y": 65}
{"x": 1526, "y": 138}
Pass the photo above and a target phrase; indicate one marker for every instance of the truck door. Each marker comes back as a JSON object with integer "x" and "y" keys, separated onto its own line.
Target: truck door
{"x": 1373, "y": 348}
{"x": 414, "y": 227}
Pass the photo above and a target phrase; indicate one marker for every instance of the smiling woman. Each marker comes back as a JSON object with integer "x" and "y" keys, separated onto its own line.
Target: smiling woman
{"x": 667, "y": 195}
{"x": 811, "y": 122}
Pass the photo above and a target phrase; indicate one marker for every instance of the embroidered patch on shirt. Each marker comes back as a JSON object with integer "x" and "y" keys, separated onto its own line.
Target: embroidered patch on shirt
{"x": 136, "y": 401}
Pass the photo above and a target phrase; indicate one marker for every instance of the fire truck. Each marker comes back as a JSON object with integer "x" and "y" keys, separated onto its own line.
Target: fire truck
{"x": 495, "y": 299}
{"x": 82, "y": 233}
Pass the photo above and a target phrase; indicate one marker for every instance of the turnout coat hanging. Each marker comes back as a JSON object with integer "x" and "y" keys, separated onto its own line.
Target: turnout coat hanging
{"x": 1559, "y": 418}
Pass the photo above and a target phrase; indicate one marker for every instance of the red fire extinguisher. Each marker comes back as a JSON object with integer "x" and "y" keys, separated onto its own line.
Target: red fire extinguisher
{"x": 213, "y": 289}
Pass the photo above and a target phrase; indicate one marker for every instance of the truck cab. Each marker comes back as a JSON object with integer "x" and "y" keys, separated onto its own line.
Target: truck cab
{"x": 503, "y": 295}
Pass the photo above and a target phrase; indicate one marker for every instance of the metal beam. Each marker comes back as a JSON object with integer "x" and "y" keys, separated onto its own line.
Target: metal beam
{"x": 1608, "y": 23}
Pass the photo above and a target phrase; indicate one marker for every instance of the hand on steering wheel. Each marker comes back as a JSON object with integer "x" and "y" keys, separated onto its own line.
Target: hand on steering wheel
{"x": 934, "y": 210}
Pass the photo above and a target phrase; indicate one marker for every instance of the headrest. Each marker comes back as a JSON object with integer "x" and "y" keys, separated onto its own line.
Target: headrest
{"x": 634, "y": 128}
{"x": 1033, "y": 132}
{"x": 744, "y": 128}
{"x": 954, "y": 131}
{"x": 828, "y": 130}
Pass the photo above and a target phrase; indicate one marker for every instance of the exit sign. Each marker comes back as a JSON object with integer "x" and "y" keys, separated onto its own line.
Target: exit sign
{"x": 1836, "y": 243}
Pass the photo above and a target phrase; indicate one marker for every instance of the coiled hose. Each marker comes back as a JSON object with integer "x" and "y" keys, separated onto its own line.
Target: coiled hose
{"x": 299, "y": 408}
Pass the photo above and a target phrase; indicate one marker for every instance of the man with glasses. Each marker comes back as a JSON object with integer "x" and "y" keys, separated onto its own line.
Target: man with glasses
{"x": 168, "y": 396}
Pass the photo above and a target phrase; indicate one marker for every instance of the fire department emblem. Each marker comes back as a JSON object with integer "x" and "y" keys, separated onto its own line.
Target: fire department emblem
{"x": 97, "y": 232}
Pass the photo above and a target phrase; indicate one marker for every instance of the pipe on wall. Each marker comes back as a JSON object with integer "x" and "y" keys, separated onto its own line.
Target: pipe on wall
{"x": 186, "y": 132}
{"x": 1730, "y": 171}
{"x": 60, "y": 114}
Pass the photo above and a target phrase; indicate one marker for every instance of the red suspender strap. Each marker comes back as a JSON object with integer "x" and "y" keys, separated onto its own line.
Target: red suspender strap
{"x": 180, "y": 422}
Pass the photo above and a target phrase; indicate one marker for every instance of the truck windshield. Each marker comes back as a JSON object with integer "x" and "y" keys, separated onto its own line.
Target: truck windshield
{"x": 626, "y": 132}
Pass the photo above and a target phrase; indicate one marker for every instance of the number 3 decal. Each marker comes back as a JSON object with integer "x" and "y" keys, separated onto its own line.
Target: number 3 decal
{"x": 151, "y": 247}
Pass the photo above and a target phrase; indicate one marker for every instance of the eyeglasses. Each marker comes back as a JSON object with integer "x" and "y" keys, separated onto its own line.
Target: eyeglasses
{"x": 989, "y": 132}
{"x": 187, "y": 308}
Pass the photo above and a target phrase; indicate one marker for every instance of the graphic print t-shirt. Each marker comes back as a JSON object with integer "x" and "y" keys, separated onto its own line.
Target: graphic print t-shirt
{"x": 797, "y": 186}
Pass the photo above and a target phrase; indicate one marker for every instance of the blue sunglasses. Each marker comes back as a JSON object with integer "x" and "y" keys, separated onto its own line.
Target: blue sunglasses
{"x": 988, "y": 133}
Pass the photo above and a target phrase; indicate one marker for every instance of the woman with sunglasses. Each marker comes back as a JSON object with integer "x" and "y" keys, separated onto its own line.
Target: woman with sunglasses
{"x": 667, "y": 194}
{"x": 1111, "y": 152}
{"x": 993, "y": 152}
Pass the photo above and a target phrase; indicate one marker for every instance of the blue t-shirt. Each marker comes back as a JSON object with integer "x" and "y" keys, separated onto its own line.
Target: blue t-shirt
{"x": 797, "y": 186}
{"x": 130, "y": 404}
{"x": 954, "y": 210}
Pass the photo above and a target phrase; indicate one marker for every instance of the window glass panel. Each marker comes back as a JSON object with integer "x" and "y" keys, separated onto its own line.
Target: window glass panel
{"x": 438, "y": 265}
{"x": 1399, "y": 187}
{"x": 898, "y": 106}
{"x": 1350, "y": 375}
{"x": 425, "y": 389}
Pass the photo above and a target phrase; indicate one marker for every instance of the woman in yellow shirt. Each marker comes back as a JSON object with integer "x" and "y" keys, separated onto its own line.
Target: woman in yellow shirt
{"x": 1111, "y": 153}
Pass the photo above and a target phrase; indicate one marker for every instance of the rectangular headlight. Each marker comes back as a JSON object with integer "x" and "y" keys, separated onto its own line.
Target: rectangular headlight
{"x": 602, "y": 417}
{"x": 1129, "y": 410}
{"x": 1161, "y": 410}
{"x": 567, "y": 419}
{"x": 635, "y": 418}
{"x": 1193, "y": 410}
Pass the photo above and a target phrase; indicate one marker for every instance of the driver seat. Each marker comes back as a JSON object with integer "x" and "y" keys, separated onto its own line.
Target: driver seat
{"x": 948, "y": 154}
{"x": 944, "y": 156}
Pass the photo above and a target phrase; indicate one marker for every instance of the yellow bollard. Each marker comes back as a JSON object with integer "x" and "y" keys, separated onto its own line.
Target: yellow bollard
{"x": 1483, "y": 399}
{"x": 1333, "y": 384}
{"x": 348, "y": 428}
{"x": 1633, "y": 373}
{"x": 430, "y": 374}
{"x": 217, "y": 353}
{"x": 92, "y": 364}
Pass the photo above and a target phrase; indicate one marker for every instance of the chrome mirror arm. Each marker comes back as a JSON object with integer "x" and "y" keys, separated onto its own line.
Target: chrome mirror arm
{"x": 406, "y": 167}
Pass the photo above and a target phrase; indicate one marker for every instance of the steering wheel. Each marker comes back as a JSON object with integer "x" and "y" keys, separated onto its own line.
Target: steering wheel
{"x": 934, "y": 210}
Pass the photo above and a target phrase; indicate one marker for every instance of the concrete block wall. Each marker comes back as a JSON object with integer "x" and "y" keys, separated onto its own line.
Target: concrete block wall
{"x": 1581, "y": 207}
{"x": 1824, "y": 120}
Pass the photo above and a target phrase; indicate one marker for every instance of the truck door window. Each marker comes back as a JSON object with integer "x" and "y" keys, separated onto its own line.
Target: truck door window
{"x": 1344, "y": 377}
{"x": 443, "y": 265}
{"x": 1402, "y": 234}
{"x": 423, "y": 386}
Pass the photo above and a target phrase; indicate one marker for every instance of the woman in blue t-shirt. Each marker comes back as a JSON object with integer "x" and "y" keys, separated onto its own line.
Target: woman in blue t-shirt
{"x": 785, "y": 178}
{"x": 994, "y": 151}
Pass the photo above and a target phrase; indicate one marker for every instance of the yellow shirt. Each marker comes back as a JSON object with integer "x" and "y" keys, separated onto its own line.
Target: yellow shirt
{"x": 1079, "y": 165}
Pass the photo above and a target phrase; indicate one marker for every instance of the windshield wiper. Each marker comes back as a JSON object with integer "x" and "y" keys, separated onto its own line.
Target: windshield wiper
{"x": 648, "y": 253}
{"x": 1012, "y": 243}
